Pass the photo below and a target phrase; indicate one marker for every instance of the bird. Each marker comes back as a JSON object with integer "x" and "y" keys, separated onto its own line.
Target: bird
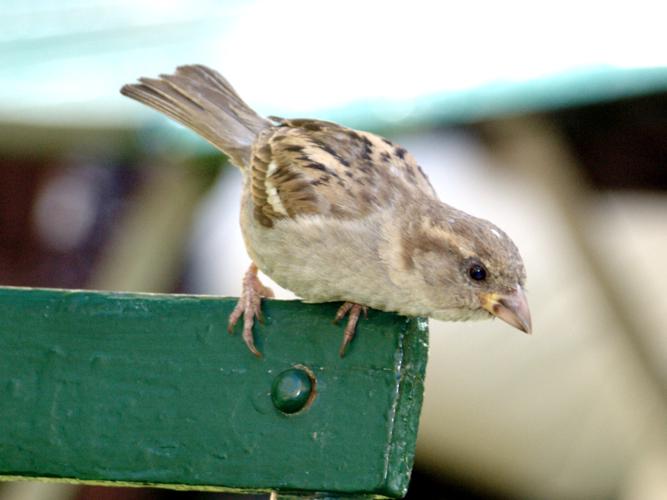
{"x": 342, "y": 215}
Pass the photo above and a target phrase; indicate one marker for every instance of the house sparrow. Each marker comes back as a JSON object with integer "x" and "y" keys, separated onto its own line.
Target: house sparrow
{"x": 336, "y": 214}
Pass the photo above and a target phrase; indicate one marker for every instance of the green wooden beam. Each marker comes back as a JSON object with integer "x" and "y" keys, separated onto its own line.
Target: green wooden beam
{"x": 150, "y": 389}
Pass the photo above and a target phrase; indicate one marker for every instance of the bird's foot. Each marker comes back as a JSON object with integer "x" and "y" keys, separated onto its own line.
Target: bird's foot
{"x": 250, "y": 307}
{"x": 354, "y": 311}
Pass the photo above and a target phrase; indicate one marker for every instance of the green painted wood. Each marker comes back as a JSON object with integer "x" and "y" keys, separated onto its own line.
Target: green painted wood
{"x": 147, "y": 388}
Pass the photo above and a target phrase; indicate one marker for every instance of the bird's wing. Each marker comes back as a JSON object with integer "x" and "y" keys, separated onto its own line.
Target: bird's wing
{"x": 302, "y": 167}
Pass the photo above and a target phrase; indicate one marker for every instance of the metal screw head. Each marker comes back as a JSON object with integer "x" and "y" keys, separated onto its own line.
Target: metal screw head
{"x": 293, "y": 389}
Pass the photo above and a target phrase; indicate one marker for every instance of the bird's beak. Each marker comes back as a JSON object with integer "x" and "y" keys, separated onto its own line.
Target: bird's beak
{"x": 511, "y": 308}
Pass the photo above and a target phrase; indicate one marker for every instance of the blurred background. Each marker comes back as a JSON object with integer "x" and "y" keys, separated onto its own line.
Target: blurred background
{"x": 549, "y": 118}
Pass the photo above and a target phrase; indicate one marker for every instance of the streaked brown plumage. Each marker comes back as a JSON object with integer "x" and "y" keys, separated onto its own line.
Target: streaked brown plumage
{"x": 336, "y": 214}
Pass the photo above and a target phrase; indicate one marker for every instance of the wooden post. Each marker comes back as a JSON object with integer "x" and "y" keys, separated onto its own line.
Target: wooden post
{"x": 150, "y": 389}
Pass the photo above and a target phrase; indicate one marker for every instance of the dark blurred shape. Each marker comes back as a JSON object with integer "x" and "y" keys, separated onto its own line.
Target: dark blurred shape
{"x": 105, "y": 493}
{"x": 55, "y": 216}
{"x": 620, "y": 144}
{"x": 424, "y": 485}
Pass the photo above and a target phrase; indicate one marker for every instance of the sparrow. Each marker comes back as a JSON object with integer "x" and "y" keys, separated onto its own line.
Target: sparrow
{"x": 336, "y": 214}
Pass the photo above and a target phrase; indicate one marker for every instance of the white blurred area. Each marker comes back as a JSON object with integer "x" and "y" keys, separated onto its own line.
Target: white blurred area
{"x": 563, "y": 414}
{"x": 300, "y": 57}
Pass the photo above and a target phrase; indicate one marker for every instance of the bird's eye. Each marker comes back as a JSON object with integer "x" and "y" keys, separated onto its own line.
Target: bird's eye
{"x": 477, "y": 272}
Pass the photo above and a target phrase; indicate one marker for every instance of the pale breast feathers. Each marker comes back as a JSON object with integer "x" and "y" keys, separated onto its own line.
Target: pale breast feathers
{"x": 302, "y": 167}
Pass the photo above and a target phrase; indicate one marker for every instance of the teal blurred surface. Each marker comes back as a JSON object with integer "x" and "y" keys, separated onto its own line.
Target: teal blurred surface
{"x": 368, "y": 65}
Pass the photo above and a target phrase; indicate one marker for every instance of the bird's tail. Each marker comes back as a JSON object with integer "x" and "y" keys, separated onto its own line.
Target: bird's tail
{"x": 203, "y": 100}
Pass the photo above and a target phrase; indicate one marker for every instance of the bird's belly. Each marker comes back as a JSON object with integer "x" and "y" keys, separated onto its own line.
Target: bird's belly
{"x": 322, "y": 259}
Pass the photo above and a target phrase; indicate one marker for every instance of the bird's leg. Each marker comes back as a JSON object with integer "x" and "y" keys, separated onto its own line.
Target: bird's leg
{"x": 354, "y": 311}
{"x": 250, "y": 306}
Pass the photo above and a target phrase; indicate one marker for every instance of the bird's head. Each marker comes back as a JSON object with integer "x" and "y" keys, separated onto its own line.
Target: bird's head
{"x": 468, "y": 267}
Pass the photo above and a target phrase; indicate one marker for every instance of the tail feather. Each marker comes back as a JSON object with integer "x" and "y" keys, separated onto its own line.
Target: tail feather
{"x": 203, "y": 100}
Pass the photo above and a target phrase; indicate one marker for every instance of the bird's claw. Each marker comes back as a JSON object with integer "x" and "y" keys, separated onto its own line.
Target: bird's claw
{"x": 250, "y": 307}
{"x": 354, "y": 311}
